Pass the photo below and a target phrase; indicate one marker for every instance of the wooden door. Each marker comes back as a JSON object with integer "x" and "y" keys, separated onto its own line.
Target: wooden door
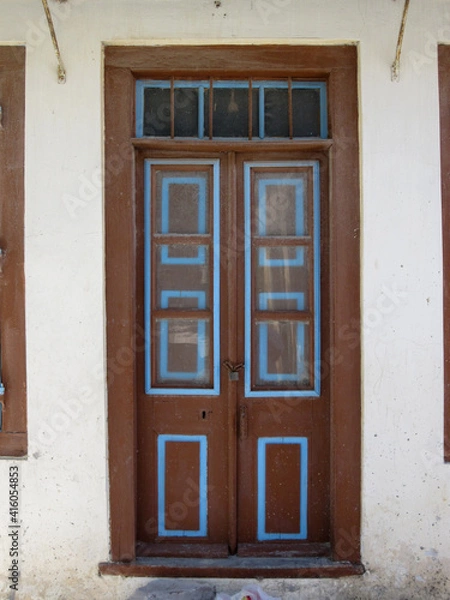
{"x": 233, "y": 411}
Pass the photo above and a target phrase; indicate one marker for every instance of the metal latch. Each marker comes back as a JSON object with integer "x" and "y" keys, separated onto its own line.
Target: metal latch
{"x": 233, "y": 370}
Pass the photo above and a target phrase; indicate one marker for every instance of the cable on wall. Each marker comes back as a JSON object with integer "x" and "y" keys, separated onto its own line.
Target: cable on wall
{"x": 61, "y": 69}
{"x": 395, "y": 68}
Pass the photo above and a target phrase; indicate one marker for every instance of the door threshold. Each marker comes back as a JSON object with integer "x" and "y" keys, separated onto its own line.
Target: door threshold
{"x": 233, "y": 567}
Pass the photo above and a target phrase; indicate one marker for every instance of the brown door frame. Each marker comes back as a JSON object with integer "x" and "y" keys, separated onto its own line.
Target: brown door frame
{"x": 336, "y": 64}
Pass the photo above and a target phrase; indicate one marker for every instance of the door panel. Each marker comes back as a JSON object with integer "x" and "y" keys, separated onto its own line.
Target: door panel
{"x": 233, "y": 417}
{"x": 182, "y": 409}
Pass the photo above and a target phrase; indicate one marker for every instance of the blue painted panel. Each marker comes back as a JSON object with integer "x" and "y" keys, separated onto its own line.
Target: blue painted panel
{"x": 264, "y": 298}
{"x": 263, "y": 363}
{"x": 165, "y": 199}
{"x": 150, "y": 164}
{"x": 167, "y": 294}
{"x": 299, "y": 202}
{"x": 303, "y": 508}
{"x": 202, "y": 531}
{"x": 298, "y": 261}
{"x": 249, "y": 393}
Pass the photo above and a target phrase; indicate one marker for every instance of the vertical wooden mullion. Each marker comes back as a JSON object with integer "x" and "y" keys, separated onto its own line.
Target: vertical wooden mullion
{"x": 250, "y": 109}
{"x": 252, "y": 250}
{"x": 212, "y": 266}
{"x": 231, "y": 329}
{"x": 153, "y": 328}
{"x": 290, "y": 113}
{"x": 211, "y": 107}
{"x": 310, "y": 245}
{"x": 172, "y": 107}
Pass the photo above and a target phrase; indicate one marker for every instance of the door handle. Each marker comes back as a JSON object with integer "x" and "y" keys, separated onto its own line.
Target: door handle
{"x": 243, "y": 422}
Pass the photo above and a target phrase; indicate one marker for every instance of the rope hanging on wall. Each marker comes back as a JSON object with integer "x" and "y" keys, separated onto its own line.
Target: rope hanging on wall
{"x": 395, "y": 68}
{"x": 61, "y": 69}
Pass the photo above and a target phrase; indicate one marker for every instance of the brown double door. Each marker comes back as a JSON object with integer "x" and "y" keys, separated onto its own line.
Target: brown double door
{"x": 233, "y": 410}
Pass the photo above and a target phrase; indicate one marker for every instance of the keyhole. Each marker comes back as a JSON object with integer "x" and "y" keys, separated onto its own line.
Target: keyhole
{"x": 203, "y": 414}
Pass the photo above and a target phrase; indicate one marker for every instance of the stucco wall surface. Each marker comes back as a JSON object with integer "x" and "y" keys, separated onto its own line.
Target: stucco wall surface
{"x": 64, "y": 482}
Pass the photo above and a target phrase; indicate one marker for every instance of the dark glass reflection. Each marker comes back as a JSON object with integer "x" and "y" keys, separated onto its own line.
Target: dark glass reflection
{"x": 156, "y": 112}
{"x": 276, "y": 118}
{"x": 306, "y": 110}
{"x": 186, "y": 112}
{"x": 230, "y": 112}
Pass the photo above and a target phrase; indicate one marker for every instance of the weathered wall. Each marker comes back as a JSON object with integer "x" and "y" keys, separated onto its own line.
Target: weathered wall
{"x": 64, "y": 486}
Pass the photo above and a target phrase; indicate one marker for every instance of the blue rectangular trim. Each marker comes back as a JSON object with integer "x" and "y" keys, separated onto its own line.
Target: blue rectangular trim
{"x": 200, "y": 259}
{"x": 167, "y": 294}
{"x": 249, "y": 393}
{"x": 303, "y": 532}
{"x": 203, "y": 485}
{"x": 264, "y": 298}
{"x": 298, "y": 261}
{"x": 215, "y": 301}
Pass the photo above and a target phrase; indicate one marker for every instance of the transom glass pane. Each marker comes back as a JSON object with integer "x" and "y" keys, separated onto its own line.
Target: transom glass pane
{"x": 238, "y": 109}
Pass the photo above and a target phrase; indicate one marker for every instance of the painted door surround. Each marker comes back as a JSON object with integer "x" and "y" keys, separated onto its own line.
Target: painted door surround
{"x": 340, "y": 355}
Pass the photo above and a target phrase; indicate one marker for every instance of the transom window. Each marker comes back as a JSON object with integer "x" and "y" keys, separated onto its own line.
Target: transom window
{"x": 231, "y": 109}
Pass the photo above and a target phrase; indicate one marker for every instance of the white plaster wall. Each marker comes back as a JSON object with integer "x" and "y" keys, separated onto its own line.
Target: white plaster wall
{"x": 64, "y": 487}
